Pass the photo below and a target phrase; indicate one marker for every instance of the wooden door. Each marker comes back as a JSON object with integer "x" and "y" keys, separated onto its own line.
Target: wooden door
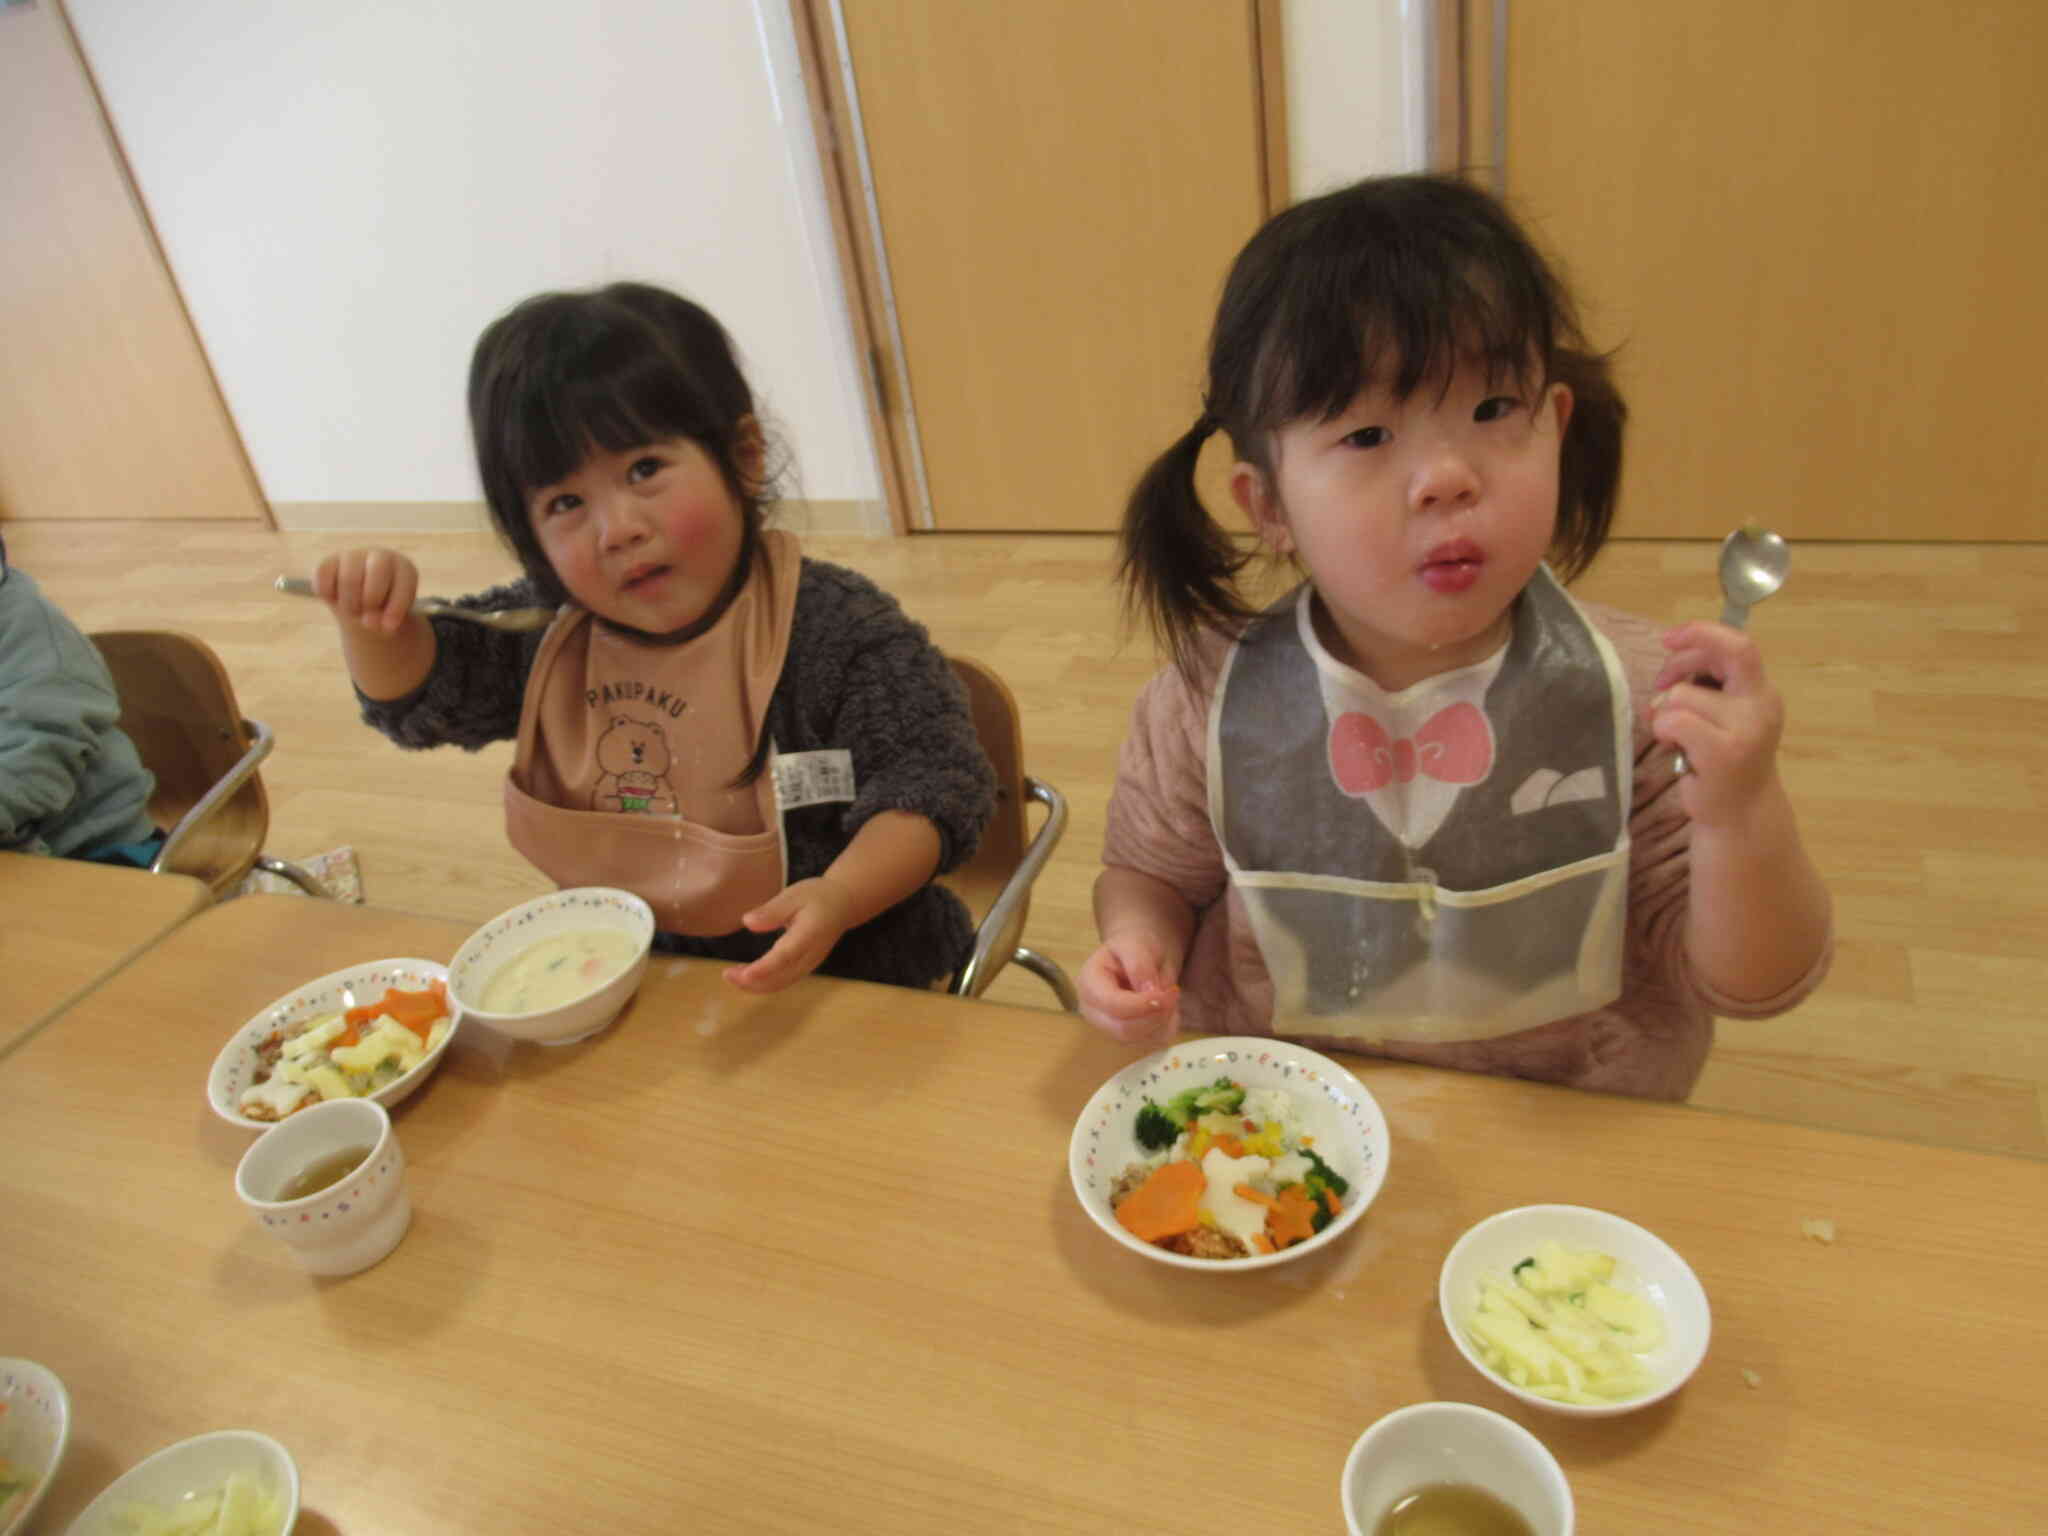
{"x": 1059, "y": 189}
{"x": 1818, "y": 234}
{"x": 108, "y": 408}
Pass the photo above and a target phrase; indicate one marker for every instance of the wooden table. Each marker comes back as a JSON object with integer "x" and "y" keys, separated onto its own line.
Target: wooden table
{"x": 812, "y": 1263}
{"x": 65, "y": 924}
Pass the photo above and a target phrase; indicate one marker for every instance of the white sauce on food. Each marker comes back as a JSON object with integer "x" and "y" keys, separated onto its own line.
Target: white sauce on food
{"x": 1243, "y": 1219}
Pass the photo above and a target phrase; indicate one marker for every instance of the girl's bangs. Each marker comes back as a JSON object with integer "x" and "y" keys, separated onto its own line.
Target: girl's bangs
{"x": 1402, "y": 321}
{"x": 598, "y": 403}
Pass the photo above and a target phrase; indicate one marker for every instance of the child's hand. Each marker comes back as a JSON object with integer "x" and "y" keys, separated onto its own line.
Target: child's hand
{"x": 1729, "y": 734}
{"x": 811, "y": 914}
{"x": 1128, "y": 991}
{"x": 372, "y": 589}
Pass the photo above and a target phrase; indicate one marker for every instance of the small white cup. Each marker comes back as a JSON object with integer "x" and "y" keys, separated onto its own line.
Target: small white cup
{"x": 1429, "y": 1443}
{"x": 349, "y": 1225}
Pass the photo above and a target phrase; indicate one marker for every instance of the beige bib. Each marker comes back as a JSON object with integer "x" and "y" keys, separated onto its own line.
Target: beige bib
{"x": 626, "y": 752}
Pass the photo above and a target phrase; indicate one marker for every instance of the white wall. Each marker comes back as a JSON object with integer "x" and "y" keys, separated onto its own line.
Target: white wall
{"x": 348, "y": 192}
{"x": 1355, "y": 104}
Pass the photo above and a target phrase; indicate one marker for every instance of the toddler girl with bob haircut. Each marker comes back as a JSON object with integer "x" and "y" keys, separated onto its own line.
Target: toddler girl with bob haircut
{"x": 1424, "y": 805}
{"x": 761, "y": 745}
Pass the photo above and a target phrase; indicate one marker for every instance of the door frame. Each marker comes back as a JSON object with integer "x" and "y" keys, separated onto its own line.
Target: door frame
{"x": 1467, "y": 81}
{"x": 834, "y": 101}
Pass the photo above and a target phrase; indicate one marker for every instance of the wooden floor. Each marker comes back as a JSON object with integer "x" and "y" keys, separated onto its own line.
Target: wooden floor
{"x": 1914, "y": 676}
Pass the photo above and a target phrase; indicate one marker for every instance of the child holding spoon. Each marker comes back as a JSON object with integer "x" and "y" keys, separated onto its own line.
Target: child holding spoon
{"x": 762, "y": 746}
{"x": 1424, "y": 805}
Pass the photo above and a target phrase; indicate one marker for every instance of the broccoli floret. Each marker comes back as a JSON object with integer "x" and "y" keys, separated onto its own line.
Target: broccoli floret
{"x": 1181, "y": 1109}
{"x": 1222, "y": 1095}
{"x": 1321, "y": 1176}
{"x": 1155, "y": 1128}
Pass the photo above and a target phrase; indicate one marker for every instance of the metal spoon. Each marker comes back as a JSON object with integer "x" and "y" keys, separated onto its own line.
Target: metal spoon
{"x": 1753, "y": 565}
{"x": 514, "y": 620}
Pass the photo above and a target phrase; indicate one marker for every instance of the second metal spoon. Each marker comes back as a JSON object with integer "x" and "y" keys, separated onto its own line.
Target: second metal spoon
{"x": 1754, "y": 561}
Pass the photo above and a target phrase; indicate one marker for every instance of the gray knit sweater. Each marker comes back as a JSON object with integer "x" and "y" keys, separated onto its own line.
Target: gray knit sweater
{"x": 71, "y": 782}
{"x": 860, "y": 675}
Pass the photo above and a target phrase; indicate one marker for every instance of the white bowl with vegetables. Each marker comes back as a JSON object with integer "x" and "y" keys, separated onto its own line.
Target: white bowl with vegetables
{"x": 373, "y": 1031}
{"x": 35, "y": 1426}
{"x": 1228, "y": 1154}
{"x": 556, "y": 969}
{"x": 232, "y": 1482}
{"x": 1574, "y": 1310}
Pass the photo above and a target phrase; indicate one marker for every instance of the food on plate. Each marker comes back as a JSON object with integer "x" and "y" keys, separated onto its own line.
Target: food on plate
{"x": 15, "y": 1482}
{"x": 1227, "y": 1173}
{"x": 348, "y": 1054}
{"x": 240, "y": 1506}
{"x": 559, "y": 970}
{"x": 1556, "y": 1326}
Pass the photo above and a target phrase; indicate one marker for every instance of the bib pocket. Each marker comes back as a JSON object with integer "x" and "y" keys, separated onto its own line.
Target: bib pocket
{"x": 698, "y": 881}
{"x": 1415, "y": 962}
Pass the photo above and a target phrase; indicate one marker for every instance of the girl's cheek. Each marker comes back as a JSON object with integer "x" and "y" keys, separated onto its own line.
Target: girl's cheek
{"x": 705, "y": 524}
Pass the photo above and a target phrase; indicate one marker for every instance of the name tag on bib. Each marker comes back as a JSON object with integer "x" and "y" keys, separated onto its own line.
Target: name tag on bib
{"x": 813, "y": 778}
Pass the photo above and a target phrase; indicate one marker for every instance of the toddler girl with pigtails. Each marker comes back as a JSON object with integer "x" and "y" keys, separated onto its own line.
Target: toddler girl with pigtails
{"x": 1425, "y": 804}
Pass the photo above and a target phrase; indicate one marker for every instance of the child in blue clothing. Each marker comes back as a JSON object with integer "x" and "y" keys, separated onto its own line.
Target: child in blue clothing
{"x": 762, "y": 746}
{"x": 71, "y": 782}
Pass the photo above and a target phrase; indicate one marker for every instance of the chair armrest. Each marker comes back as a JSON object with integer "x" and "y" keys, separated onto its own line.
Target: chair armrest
{"x": 224, "y": 788}
{"x": 994, "y": 940}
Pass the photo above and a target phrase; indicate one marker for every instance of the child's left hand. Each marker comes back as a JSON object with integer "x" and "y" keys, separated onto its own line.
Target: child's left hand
{"x": 1729, "y": 734}
{"x": 812, "y": 914}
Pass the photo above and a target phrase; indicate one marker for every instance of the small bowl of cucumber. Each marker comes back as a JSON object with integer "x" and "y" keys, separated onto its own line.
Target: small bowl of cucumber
{"x": 1573, "y": 1310}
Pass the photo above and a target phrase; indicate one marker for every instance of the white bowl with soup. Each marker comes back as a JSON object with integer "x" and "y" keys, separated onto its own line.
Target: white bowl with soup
{"x": 556, "y": 969}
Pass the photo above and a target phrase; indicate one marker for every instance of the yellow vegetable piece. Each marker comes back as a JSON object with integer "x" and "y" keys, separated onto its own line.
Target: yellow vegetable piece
{"x": 1558, "y": 1329}
{"x": 388, "y": 1039}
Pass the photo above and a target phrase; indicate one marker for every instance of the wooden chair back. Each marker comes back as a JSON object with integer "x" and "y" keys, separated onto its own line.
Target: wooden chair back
{"x": 178, "y": 707}
{"x": 981, "y": 879}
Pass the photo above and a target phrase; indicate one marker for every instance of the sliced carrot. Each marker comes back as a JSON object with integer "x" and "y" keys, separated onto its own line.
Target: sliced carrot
{"x": 1230, "y": 1145}
{"x": 351, "y": 1034}
{"x": 1262, "y": 1243}
{"x": 1246, "y": 1192}
{"x": 1330, "y": 1201}
{"x": 417, "y": 1011}
{"x": 1291, "y": 1218}
{"x": 1168, "y": 1203}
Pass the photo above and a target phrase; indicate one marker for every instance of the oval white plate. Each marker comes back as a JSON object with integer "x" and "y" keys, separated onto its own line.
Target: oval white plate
{"x": 235, "y": 1068}
{"x": 35, "y": 1426}
{"x": 1349, "y": 1130}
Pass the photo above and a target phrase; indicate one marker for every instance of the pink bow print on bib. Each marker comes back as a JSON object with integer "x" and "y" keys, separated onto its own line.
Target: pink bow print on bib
{"x": 1454, "y": 746}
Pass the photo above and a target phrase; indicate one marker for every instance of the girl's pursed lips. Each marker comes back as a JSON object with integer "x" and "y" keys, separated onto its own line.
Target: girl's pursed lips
{"x": 1454, "y": 551}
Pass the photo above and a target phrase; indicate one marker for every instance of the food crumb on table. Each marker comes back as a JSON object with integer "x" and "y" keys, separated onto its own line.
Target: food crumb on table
{"x": 1819, "y": 1228}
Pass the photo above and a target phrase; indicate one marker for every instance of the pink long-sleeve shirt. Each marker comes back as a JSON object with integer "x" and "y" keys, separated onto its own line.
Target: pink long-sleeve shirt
{"x": 1651, "y": 1041}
